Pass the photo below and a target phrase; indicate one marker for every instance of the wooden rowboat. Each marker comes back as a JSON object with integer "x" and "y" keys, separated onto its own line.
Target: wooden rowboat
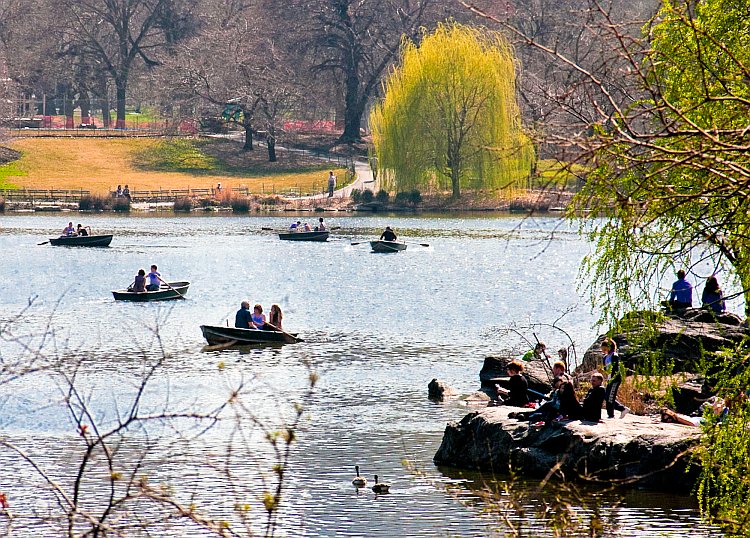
{"x": 216, "y": 334}
{"x": 387, "y": 246}
{"x": 82, "y": 240}
{"x": 163, "y": 294}
{"x": 305, "y": 236}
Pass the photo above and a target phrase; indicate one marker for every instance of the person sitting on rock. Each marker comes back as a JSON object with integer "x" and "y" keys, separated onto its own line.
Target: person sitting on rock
{"x": 540, "y": 349}
{"x": 712, "y": 297}
{"x": 518, "y": 394}
{"x": 681, "y": 294}
{"x": 591, "y": 408}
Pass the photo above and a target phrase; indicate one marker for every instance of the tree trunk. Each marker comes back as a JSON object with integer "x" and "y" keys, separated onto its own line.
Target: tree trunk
{"x": 85, "y": 103}
{"x": 68, "y": 110}
{"x": 354, "y": 107}
{"x": 455, "y": 182}
{"x": 271, "y": 143}
{"x": 121, "y": 87}
{"x": 248, "y": 137}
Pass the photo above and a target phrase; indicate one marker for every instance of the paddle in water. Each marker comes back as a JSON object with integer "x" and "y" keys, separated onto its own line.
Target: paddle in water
{"x": 170, "y": 287}
{"x": 275, "y": 328}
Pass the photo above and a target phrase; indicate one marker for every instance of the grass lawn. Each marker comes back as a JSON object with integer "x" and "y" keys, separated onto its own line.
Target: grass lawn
{"x": 100, "y": 164}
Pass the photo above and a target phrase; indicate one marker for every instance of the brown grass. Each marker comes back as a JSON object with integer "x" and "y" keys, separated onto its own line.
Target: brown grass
{"x": 100, "y": 164}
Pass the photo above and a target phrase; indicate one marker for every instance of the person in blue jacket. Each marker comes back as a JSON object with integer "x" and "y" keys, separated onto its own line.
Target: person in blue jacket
{"x": 681, "y": 295}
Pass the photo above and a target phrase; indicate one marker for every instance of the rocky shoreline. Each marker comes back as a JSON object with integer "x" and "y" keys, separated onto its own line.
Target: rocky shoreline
{"x": 635, "y": 450}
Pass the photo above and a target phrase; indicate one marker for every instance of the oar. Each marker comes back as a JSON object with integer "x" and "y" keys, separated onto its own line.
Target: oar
{"x": 43, "y": 243}
{"x": 171, "y": 288}
{"x": 265, "y": 229}
{"x": 359, "y": 243}
{"x": 275, "y": 328}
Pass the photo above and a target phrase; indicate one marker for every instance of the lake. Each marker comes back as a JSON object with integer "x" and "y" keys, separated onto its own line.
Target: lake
{"x": 377, "y": 329}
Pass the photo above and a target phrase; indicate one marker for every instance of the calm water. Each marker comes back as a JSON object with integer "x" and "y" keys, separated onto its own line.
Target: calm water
{"x": 377, "y": 329}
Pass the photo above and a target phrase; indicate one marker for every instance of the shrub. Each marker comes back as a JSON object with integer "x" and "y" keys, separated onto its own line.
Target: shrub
{"x": 240, "y": 205}
{"x": 415, "y": 197}
{"x": 121, "y": 204}
{"x": 356, "y": 196}
{"x": 183, "y": 204}
{"x": 403, "y": 198}
{"x": 367, "y": 196}
{"x": 206, "y": 202}
{"x": 94, "y": 203}
{"x": 382, "y": 196}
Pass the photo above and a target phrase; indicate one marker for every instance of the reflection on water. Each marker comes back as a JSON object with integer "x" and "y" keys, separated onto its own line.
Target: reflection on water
{"x": 376, "y": 329}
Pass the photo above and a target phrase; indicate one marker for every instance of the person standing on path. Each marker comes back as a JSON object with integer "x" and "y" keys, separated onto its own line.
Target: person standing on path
{"x": 331, "y": 183}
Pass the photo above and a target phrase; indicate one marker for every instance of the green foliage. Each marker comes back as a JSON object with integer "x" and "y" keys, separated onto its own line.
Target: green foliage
{"x": 412, "y": 198}
{"x": 382, "y": 196}
{"x": 724, "y": 487}
{"x": 671, "y": 172}
{"x": 367, "y": 196}
{"x": 7, "y": 171}
{"x": 450, "y": 115}
{"x": 176, "y": 155}
{"x": 356, "y": 196}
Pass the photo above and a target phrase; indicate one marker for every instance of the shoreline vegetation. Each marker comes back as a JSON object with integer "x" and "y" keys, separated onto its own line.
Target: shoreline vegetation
{"x": 183, "y": 174}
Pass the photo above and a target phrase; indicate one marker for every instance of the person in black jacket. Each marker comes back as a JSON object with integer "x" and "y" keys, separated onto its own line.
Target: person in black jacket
{"x": 518, "y": 395}
{"x": 591, "y": 408}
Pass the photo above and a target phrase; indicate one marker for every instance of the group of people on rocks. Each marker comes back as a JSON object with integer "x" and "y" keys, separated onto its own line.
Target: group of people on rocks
{"x": 299, "y": 227}
{"x": 80, "y": 230}
{"x": 245, "y": 319}
{"x": 681, "y": 294}
{"x": 562, "y": 402}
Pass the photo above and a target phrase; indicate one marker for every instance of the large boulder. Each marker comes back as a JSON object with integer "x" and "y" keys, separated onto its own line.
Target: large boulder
{"x": 440, "y": 390}
{"x": 538, "y": 374}
{"x": 651, "y": 454}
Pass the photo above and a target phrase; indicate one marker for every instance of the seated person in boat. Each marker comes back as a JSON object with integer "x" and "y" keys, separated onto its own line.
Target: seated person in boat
{"x": 295, "y": 226}
{"x": 154, "y": 279}
{"x": 139, "y": 284}
{"x": 307, "y": 228}
{"x": 83, "y": 231}
{"x": 258, "y": 317}
{"x": 244, "y": 318}
{"x": 276, "y": 317}
{"x": 388, "y": 234}
{"x": 518, "y": 393}
{"x": 321, "y": 227}
{"x": 69, "y": 231}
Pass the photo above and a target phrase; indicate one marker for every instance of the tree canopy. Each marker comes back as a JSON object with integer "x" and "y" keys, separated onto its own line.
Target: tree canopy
{"x": 667, "y": 153}
{"x": 450, "y": 116}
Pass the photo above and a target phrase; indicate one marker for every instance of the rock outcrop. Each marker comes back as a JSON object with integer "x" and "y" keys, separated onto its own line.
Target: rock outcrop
{"x": 638, "y": 449}
{"x": 686, "y": 340}
{"x": 494, "y": 371}
{"x": 440, "y": 390}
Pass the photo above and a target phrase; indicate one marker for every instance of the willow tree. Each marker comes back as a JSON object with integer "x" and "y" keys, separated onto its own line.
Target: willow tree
{"x": 449, "y": 114}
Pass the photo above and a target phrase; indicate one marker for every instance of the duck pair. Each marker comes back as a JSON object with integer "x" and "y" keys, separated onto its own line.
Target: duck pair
{"x": 361, "y": 481}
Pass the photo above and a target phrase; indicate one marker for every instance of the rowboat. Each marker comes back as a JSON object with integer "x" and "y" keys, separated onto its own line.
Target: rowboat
{"x": 305, "y": 236}
{"x": 216, "y": 334}
{"x": 164, "y": 293}
{"x": 387, "y": 246}
{"x": 81, "y": 240}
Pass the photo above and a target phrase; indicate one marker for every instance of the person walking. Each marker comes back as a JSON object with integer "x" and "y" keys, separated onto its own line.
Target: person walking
{"x": 331, "y": 183}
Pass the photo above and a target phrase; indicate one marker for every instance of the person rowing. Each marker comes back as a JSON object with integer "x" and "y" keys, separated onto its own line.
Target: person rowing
{"x": 69, "y": 230}
{"x": 388, "y": 234}
{"x": 244, "y": 318}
